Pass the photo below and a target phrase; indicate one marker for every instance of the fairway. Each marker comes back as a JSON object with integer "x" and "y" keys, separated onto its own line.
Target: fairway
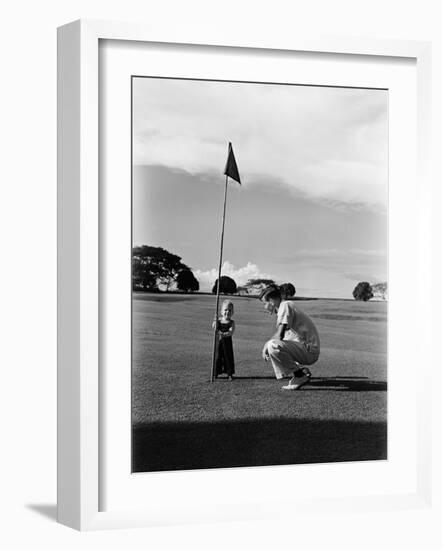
{"x": 182, "y": 421}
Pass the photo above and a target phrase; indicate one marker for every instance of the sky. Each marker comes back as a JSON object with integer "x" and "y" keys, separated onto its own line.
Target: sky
{"x": 312, "y": 207}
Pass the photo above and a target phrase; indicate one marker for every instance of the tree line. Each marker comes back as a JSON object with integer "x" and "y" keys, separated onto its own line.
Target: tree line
{"x": 252, "y": 287}
{"x": 155, "y": 269}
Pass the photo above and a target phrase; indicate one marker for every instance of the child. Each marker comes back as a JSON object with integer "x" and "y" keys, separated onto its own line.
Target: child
{"x": 225, "y": 327}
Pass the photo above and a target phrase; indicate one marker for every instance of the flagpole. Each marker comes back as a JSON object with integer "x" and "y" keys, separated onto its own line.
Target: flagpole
{"x": 215, "y": 332}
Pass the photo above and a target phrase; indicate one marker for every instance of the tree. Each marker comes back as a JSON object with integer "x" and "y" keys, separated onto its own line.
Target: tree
{"x": 242, "y": 290}
{"x": 380, "y": 290}
{"x": 142, "y": 277}
{"x": 227, "y": 286}
{"x": 288, "y": 289}
{"x": 260, "y": 282}
{"x": 254, "y": 286}
{"x": 186, "y": 281}
{"x": 153, "y": 266}
{"x": 363, "y": 291}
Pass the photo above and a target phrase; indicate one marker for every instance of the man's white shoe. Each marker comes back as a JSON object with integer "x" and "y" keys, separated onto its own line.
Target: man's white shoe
{"x": 296, "y": 382}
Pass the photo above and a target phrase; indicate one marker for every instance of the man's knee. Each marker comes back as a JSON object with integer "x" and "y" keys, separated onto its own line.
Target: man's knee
{"x": 312, "y": 359}
{"x": 274, "y": 347}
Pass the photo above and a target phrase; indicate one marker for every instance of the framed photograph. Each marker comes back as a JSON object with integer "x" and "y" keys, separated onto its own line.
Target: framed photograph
{"x": 238, "y": 226}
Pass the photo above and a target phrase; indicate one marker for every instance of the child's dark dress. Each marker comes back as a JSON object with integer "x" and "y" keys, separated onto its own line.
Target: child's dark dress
{"x": 225, "y": 363}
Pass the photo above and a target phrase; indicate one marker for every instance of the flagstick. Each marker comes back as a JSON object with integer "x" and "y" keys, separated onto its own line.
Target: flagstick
{"x": 212, "y": 377}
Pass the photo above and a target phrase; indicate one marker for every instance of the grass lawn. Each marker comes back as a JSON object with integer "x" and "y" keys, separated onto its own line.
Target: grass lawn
{"x": 182, "y": 421}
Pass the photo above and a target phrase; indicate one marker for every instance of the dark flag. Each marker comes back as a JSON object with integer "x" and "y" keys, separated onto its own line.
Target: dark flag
{"x": 231, "y": 169}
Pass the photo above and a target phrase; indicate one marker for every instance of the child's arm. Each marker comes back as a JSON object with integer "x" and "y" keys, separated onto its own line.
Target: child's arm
{"x": 229, "y": 332}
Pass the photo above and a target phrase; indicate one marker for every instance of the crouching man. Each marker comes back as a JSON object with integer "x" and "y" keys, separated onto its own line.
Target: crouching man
{"x": 295, "y": 343}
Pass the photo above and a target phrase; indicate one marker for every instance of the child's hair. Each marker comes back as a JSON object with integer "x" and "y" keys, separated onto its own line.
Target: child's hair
{"x": 228, "y": 303}
{"x": 271, "y": 291}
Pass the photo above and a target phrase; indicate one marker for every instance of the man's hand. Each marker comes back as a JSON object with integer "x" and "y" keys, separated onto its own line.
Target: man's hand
{"x": 265, "y": 352}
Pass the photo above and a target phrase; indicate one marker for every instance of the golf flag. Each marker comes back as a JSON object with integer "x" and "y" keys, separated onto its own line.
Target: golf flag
{"x": 231, "y": 169}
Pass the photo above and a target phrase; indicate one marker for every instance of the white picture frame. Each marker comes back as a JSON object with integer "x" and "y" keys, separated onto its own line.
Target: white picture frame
{"x": 79, "y": 293}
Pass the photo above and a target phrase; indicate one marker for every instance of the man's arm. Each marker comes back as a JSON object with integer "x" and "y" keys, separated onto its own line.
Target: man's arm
{"x": 280, "y": 333}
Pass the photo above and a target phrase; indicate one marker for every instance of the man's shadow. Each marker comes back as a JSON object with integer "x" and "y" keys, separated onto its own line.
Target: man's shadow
{"x": 334, "y": 383}
{"x": 346, "y": 383}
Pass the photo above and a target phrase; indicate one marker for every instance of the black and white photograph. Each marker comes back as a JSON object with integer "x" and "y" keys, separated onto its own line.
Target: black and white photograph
{"x": 230, "y": 212}
{"x": 259, "y": 274}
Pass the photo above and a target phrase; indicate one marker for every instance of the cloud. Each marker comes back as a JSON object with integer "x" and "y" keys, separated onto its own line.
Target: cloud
{"x": 337, "y": 259}
{"x": 338, "y": 253}
{"x": 328, "y": 144}
{"x": 352, "y": 264}
{"x": 240, "y": 275}
{"x": 358, "y": 277}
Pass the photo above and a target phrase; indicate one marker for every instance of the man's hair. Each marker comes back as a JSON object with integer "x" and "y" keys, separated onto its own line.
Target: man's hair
{"x": 271, "y": 291}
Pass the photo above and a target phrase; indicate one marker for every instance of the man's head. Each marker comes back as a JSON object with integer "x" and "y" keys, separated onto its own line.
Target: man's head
{"x": 271, "y": 298}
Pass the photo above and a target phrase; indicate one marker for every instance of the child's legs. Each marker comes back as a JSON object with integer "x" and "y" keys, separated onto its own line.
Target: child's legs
{"x": 286, "y": 356}
{"x": 229, "y": 362}
{"x": 219, "y": 359}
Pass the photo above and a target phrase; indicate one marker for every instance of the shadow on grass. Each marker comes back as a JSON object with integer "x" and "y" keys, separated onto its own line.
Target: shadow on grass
{"x": 342, "y": 383}
{"x": 250, "y": 378}
{"x": 333, "y": 383}
{"x": 185, "y": 446}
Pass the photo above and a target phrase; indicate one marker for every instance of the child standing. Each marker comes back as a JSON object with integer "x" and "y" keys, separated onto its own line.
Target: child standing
{"x": 225, "y": 327}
